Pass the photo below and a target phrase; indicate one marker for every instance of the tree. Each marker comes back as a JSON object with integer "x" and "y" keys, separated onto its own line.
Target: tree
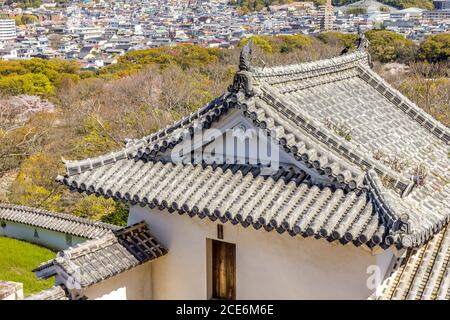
{"x": 20, "y": 136}
{"x": 36, "y": 76}
{"x": 94, "y": 207}
{"x": 294, "y": 42}
{"x": 346, "y": 40}
{"x": 35, "y": 185}
{"x": 32, "y": 84}
{"x": 435, "y": 48}
{"x": 25, "y": 3}
{"x": 356, "y": 11}
{"x": 25, "y": 19}
{"x": 118, "y": 217}
{"x": 388, "y": 46}
{"x": 260, "y": 42}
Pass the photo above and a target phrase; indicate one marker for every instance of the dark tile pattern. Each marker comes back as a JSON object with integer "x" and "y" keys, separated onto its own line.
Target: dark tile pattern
{"x": 96, "y": 260}
{"x": 423, "y": 273}
{"x": 60, "y": 222}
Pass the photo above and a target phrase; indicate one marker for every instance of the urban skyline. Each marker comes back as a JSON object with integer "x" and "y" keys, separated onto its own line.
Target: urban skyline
{"x": 96, "y": 33}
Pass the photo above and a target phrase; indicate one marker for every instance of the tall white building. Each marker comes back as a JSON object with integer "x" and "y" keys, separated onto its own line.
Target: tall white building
{"x": 7, "y": 29}
{"x": 326, "y": 16}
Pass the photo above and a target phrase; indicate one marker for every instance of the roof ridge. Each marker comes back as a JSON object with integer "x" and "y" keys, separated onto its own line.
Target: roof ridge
{"x": 331, "y": 140}
{"x": 58, "y": 215}
{"x": 100, "y": 259}
{"x": 300, "y": 148}
{"x": 57, "y": 292}
{"x": 150, "y": 146}
{"x": 403, "y": 103}
{"x": 80, "y": 249}
{"x": 334, "y": 63}
{"x": 397, "y": 223}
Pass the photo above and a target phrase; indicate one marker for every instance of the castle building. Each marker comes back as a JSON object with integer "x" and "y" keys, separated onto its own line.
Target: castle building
{"x": 307, "y": 181}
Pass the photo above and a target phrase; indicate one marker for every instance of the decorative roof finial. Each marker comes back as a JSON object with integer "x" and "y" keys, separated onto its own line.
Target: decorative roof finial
{"x": 243, "y": 80}
{"x": 362, "y": 43}
{"x": 245, "y": 56}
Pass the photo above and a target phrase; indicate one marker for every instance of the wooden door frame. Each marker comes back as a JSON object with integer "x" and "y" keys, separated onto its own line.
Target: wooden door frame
{"x": 212, "y": 273}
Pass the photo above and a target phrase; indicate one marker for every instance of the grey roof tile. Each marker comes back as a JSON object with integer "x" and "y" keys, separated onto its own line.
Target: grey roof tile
{"x": 96, "y": 260}
{"x": 60, "y": 222}
{"x": 54, "y": 293}
{"x": 291, "y": 205}
{"x": 423, "y": 273}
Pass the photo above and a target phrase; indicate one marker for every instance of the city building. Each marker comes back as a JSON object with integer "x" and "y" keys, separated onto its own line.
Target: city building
{"x": 148, "y": 24}
{"x": 7, "y": 29}
{"x": 441, "y": 4}
{"x": 437, "y": 15}
{"x": 326, "y": 16}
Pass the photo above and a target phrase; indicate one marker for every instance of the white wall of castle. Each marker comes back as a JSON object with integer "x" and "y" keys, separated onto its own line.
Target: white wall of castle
{"x": 268, "y": 265}
{"x": 47, "y": 238}
{"x": 134, "y": 284}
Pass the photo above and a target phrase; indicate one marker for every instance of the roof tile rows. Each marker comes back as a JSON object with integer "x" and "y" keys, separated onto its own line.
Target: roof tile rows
{"x": 293, "y": 104}
{"x": 238, "y": 196}
{"x": 423, "y": 273}
{"x": 60, "y": 222}
{"x": 100, "y": 259}
{"x": 54, "y": 293}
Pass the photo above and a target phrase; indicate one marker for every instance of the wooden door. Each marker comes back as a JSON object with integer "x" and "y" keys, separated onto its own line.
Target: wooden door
{"x": 224, "y": 270}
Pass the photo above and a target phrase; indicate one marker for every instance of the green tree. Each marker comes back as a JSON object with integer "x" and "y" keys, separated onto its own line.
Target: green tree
{"x": 36, "y": 76}
{"x": 25, "y": 3}
{"x": 25, "y": 19}
{"x": 347, "y": 40}
{"x": 435, "y": 48}
{"x": 259, "y": 41}
{"x": 32, "y": 84}
{"x": 291, "y": 43}
{"x": 35, "y": 184}
{"x": 388, "y": 46}
{"x": 356, "y": 11}
{"x": 93, "y": 207}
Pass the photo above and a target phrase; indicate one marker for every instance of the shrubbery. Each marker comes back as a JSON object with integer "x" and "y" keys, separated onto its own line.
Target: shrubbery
{"x": 36, "y": 76}
{"x": 347, "y": 40}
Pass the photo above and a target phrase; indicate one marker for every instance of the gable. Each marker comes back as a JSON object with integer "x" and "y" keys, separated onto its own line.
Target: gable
{"x": 234, "y": 139}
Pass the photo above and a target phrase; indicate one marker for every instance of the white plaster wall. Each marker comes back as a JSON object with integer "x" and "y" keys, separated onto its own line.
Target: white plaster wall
{"x": 135, "y": 284}
{"x": 269, "y": 265}
{"x": 47, "y": 238}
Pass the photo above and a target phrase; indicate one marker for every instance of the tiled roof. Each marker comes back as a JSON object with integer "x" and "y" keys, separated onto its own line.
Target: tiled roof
{"x": 285, "y": 201}
{"x": 100, "y": 259}
{"x": 422, "y": 273}
{"x": 60, "y": 222}
{"x": 54, "y": 293}
{"x": 388, "y": 133}
{"x": 394, "y": 153}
